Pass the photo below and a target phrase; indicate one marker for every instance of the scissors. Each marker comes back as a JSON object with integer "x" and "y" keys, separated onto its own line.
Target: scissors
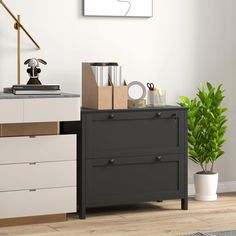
{"x": 151, "y": 86}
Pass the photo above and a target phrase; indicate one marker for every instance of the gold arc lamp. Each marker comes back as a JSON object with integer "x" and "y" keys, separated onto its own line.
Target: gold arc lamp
{"x": 18, "y": 26}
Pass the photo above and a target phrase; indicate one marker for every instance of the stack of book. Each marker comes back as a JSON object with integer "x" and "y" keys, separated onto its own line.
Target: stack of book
{"x": 36, "y": 89}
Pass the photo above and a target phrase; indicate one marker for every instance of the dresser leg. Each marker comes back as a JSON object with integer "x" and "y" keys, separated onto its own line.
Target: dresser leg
{"x": 82, "y": 212}
{"x": 184, "y": 203}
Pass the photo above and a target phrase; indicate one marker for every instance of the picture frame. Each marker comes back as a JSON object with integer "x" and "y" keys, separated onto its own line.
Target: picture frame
{"x": 118, "y": 8}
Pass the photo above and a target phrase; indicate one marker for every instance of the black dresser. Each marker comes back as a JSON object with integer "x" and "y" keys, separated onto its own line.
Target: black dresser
{"x": 130, "y": 156}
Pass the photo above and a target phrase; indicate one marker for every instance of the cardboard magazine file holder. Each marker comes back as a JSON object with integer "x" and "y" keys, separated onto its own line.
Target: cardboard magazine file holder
{"x": 120, "y": 96}
{"x": 94, "y": 96}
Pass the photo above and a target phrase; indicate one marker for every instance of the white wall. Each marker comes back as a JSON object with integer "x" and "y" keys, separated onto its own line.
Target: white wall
{"x": 185, "y": 43}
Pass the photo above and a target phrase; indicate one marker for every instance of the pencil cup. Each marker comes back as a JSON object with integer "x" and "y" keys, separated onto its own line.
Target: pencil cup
{"x": 156, "y": 98}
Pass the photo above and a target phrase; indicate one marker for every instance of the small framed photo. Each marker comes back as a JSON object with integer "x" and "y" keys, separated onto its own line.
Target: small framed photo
{"x": 125, "y": 8}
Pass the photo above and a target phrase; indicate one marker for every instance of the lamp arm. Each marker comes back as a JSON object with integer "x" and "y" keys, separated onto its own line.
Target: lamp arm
{"x": 18, "y": 23}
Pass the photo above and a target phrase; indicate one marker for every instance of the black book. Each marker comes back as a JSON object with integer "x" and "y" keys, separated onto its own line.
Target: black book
{"x": 36, "y": 87}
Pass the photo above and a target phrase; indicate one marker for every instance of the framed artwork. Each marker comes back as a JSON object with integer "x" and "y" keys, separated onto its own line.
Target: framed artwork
{"x": 128, "y": 8}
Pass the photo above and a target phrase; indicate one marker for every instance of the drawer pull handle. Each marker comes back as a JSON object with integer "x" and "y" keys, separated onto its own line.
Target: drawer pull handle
{"x": 159, "y": 158}
{"x": 112, "y": 161}
{"x": 112, "y": 116}
{"x": 32, "y": 136}
{"x": 174, "y": 116}
{"x": 32, "y": 163}
{"x": 32, "y": 190}
{"x": 158, "y": 114}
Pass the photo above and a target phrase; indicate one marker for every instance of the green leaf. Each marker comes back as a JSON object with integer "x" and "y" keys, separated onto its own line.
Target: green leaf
{"x": 209, "y": 86}
{"x": 185, "y": 101}
{"x": 193, "y": 153}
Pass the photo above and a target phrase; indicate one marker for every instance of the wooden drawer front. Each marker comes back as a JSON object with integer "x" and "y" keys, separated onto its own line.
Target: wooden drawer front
{"x": 113, "y": 181}
{"x": 37, "y": 149}
{"x": 40, "y": 202}
{"x": 53, "y": 109}
{"x": 11, "y": 111}
{"x": 135, "y": 133}
{"x": 37, "y": 175}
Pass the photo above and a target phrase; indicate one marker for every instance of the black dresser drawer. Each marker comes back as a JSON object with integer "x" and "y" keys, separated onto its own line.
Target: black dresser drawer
{"x": 133, "y": 179}
{"x": 134, "y": 133}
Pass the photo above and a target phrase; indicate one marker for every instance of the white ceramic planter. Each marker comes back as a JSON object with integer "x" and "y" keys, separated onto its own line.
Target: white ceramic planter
{"x": 206, "y": 187}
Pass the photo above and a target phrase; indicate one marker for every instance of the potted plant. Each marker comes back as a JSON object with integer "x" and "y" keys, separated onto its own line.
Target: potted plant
{"x": 206, "y": 135}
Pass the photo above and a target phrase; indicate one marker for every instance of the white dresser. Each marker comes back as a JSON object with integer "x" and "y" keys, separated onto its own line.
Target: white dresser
{"x": 38, "y": 173}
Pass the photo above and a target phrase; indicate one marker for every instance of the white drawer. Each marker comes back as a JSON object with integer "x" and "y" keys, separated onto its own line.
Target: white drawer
{"x": 53, "y": 109}
{"x": 40, "y": 202}
{"x": 37, "y": 176}
{"x": 11, "y": 111}
{"x": 37, "y": 149}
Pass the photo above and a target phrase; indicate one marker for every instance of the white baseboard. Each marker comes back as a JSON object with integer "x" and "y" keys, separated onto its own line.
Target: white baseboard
{"x": 223, "y": 187}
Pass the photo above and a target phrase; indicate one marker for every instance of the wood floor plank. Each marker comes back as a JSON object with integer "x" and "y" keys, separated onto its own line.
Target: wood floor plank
{"x": 148, "y": 219}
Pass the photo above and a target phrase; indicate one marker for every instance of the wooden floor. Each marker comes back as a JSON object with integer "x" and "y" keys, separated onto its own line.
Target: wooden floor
{"x": 147, "y": 219}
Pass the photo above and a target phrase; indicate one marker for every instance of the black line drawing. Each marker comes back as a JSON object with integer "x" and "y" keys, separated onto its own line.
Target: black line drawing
{"x": 129, "y": 5}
